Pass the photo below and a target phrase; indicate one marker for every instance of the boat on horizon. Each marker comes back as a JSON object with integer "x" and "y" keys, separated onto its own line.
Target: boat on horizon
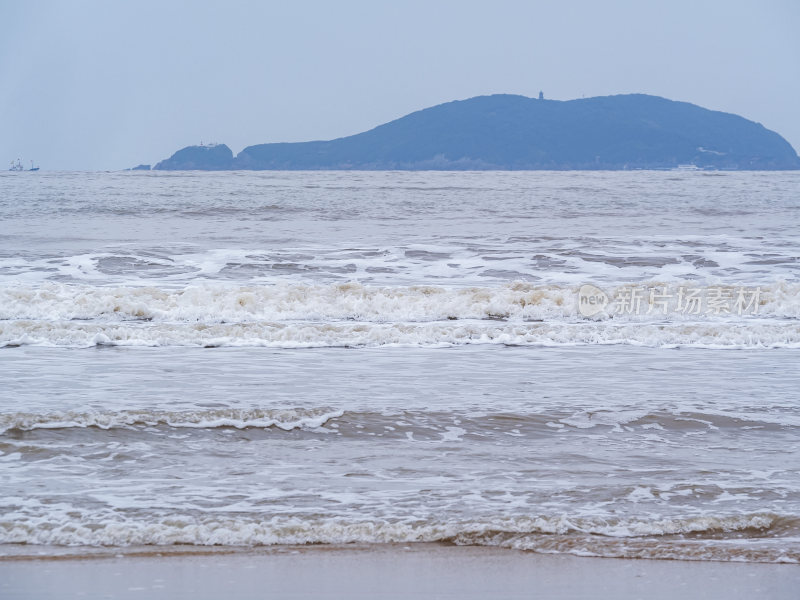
{"x": 17, "y": 166}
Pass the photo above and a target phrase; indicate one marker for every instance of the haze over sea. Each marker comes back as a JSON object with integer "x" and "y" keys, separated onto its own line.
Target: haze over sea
{"x": 258, "y": 358}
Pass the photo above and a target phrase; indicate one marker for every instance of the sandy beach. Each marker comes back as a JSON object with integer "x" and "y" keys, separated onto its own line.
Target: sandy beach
{"x": 384, "y": 571}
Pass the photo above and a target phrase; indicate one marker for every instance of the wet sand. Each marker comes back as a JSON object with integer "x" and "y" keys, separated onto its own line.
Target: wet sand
{"x": 384, "y": 571}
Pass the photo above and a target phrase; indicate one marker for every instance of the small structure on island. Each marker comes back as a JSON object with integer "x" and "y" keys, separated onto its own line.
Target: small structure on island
{"x": 541, "y": 95}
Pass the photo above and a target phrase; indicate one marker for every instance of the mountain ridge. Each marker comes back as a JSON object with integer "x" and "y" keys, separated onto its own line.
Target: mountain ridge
{"x": 512, "y": 132}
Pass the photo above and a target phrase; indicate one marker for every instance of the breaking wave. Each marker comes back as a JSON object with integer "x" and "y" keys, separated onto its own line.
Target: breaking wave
{"x": 285, "y": 419}
{"x": 352, "y": 422}
{"x": 747, "y": 537}
{"x": 354, "y": 315}
{"x": 211, "y": 304}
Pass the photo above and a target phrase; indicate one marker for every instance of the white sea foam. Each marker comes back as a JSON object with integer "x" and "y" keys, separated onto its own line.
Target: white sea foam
{"x": 352, "y": 314}
{"x": 331, "y": 302}
{"x": 286, "y": 420}
{"x": 427, "y": 422}
{"x": 543, "y": 533}
{"x": 349, "y": 301}
{"x": 72, "y": 334}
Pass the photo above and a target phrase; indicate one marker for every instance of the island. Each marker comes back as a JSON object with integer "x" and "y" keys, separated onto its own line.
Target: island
{"x": 512, "y": 132}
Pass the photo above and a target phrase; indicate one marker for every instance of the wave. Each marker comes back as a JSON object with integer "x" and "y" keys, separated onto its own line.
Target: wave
{"x": 758, "y": 537}
{"x": 211, "y": 304}
{"x": 355, "y": 422}
{"x": 723, "y": 335}
{"x": 285, "y": 419}
{"x": 341, "y": 302}
{"x": 355, "y": 315}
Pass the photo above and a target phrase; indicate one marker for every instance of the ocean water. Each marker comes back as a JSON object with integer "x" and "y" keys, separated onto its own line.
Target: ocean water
{"x": 249, "y": 359}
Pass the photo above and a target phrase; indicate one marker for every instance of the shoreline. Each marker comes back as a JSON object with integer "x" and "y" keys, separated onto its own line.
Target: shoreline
{"x": 35, "y": 552}
{"x": 380, "y": 571}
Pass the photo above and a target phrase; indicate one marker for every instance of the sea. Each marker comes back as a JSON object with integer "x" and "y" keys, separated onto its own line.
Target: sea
{"x": 589, "y": 363}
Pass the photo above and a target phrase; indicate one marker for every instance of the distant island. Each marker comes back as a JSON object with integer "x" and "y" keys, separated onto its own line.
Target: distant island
{"x": 509, "y": 132}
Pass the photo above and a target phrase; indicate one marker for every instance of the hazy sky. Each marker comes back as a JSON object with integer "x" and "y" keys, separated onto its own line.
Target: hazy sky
{"x": 109, "y": 84}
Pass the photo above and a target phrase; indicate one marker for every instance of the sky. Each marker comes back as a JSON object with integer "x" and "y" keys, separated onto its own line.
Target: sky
{"x": 106, "y": 85}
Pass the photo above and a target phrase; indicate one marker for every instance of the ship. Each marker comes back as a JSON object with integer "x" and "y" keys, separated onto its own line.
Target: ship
{"x": 17, "y": 166}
